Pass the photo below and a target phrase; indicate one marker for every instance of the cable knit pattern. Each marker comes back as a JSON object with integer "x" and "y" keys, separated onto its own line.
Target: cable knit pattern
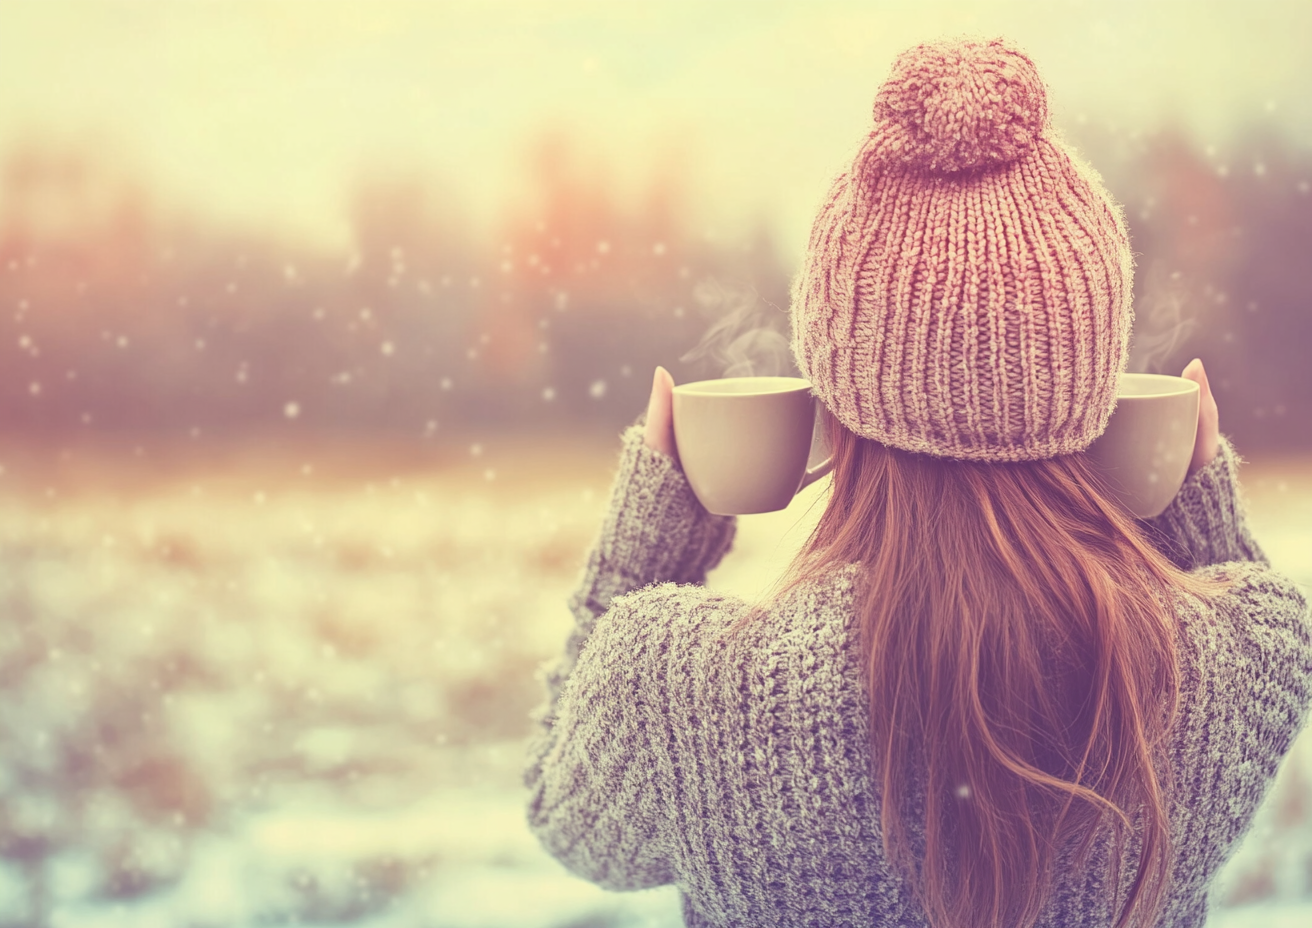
{"x": 966, "y": 289}
{"x": 736, "y": 766}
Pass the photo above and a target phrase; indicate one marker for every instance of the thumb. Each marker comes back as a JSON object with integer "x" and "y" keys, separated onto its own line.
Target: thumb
{"x": 1207, "y": 443}
{"x": 659, "y": 431}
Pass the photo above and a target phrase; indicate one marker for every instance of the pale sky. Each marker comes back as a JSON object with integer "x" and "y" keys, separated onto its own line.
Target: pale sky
{"x": 264, "y": 112}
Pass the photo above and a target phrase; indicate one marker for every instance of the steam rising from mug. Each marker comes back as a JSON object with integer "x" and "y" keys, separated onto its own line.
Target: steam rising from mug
{"x": 745, "y": 340}
{"x": 1162, "y": 324}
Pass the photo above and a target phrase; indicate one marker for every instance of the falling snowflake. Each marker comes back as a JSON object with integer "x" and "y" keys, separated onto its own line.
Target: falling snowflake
{"x": 597, "y": 390}
{"x": 291, "y": 410}
{"x": 658, "y": 249}
{"x": 549, "y": 394}
{"x": 387, "y": 348}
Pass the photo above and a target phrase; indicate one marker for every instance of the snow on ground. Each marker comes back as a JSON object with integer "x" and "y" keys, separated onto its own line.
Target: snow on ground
{"x": 251, "y": 696}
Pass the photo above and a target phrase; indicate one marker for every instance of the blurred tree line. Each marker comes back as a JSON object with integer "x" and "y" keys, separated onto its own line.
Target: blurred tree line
{"x": 122, "y": 315}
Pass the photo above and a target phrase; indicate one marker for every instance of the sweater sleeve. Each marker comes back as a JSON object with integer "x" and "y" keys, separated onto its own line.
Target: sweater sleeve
{"x": 1246, "y": 685}
{"x": 1205, "y": 523}
{"x": 590, "y": 802}
{"x": 1246, "y": 678}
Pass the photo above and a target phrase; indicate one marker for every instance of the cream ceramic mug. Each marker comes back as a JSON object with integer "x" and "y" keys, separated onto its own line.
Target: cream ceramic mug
{"x": 1144, "y": 454}
{"x": 744, "y": 442}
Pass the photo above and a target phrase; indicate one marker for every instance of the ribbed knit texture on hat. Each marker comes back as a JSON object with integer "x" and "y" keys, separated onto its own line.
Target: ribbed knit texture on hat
{"x": 966, "y": 291}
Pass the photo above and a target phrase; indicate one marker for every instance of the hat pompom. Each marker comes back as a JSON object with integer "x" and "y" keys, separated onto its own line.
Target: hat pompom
{"x": 958, "y": 106}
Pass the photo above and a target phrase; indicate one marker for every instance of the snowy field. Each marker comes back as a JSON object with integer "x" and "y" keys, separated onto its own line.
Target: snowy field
{"x": 290, "y": 686}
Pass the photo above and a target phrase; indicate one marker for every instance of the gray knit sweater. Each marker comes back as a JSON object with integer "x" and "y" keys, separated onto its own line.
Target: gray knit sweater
{"x": 737, "y": 768}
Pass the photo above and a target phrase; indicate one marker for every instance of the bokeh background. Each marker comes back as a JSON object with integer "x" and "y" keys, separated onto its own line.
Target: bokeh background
{"x": 319, "y": 322}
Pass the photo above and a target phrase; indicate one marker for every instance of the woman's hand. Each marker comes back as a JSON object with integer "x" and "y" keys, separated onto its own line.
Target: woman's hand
{"x": 1208, "y": 442}
{"x": 659, "y": 434}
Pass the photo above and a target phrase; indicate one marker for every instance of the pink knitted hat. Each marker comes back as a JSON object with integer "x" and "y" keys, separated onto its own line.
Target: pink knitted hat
{"x": 966, "y": 290}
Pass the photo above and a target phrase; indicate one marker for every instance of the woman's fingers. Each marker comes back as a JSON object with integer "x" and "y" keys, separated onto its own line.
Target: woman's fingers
{"x": 659, "y": 434}
{"x": 1207, "y": 444}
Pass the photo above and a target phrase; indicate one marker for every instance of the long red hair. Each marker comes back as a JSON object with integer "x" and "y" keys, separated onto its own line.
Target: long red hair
{"x": 1019, "y": 646}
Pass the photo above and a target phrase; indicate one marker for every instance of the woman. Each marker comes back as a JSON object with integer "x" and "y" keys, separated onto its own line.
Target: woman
{"x": 985, "y": 696}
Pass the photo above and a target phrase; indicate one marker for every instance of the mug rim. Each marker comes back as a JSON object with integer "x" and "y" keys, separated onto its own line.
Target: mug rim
{"x": 1169, "y": 384}
{"x": 786, "y": 384}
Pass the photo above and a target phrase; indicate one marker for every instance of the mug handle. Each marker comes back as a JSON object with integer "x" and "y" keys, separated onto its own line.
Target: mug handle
{"x": 815, "y": 473}
{"x": 825, "y": 466}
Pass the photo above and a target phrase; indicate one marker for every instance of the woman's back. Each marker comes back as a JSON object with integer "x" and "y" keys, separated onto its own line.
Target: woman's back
{"x": 733, "y": 760}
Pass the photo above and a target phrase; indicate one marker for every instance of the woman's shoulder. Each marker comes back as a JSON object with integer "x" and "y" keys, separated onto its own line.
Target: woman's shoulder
{"x": 681, "y": 605}
{"x": 698, "y": 638}
{"x": 701, "y": 653}
{"x": 1246, "y": 660}
{"x": 702, "y": 625}
{"x": 1257, "y": 604}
